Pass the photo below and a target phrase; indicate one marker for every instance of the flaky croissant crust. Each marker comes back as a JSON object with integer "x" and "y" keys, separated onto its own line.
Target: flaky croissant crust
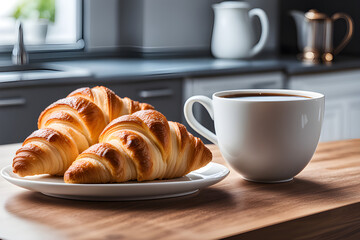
{"x": 68, "y": 127}
{"x": 142, "y": 146}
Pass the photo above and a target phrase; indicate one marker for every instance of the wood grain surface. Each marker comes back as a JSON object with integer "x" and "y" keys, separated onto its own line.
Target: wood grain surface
{"x": 322, "y": 202}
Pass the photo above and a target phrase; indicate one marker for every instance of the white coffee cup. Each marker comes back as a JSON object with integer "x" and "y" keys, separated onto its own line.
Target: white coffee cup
{"x": 265, "y": 139}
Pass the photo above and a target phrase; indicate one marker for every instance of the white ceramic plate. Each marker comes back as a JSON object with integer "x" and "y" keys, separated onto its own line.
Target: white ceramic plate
{"x": 55, "y": 186}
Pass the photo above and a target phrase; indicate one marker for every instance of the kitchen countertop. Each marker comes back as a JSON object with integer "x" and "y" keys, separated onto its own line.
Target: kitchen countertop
{"x": 322, "y": 202}
{"x": 130, "y": 69}
{"x": 137, "y": 69}
{"x": 124, "y": 69}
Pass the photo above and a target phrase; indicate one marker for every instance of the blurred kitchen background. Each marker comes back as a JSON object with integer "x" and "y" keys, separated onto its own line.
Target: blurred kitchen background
{"x": 159, "y": 51}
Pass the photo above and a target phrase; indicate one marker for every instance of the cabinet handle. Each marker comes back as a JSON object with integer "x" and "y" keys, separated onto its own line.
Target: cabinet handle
{"x": 12, "y": 102}
{"x": 167, "y": 92}
{"x": 264, "y": 84}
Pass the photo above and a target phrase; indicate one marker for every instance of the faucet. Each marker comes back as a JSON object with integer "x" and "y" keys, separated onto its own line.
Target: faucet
{"x": 19, "y": 54}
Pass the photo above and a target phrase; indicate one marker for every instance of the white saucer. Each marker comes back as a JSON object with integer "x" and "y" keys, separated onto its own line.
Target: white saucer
{"x": 55, "y": 186}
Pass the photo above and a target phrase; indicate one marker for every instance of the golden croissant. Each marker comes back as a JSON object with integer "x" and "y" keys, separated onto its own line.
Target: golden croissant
{"x": 142, "y": 146}
{"x": 68, "y": 127}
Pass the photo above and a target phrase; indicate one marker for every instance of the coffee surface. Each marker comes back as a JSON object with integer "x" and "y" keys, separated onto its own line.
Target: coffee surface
{"x": 261, "y": 97}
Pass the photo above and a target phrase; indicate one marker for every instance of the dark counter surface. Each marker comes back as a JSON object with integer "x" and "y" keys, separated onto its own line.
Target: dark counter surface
{"x": 132, "y": 69}
{"x": 123, "y": 69}
{"x": 136, "y": 69}
{"x": 294, "y": 67}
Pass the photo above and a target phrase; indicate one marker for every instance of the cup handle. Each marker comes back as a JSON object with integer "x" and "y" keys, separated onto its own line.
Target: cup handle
{"x": 264, "y": 29}
{"x": 189, "y": 116}
{"x": 349, "y": 32}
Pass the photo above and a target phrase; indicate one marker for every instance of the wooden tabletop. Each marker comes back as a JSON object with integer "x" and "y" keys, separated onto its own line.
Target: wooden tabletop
{"x": 322, "y": 202}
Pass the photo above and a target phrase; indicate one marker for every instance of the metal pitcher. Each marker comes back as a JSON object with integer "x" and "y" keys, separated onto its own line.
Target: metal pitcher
{"x": 315, "y": 35}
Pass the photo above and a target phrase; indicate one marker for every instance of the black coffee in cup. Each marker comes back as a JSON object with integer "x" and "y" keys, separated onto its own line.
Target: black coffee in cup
{"x": 264, "y": 97}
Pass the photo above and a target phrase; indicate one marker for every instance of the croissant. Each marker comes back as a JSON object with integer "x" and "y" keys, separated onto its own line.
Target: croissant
{"x": 68, "y": 127}
{"x": 142, "y": 146}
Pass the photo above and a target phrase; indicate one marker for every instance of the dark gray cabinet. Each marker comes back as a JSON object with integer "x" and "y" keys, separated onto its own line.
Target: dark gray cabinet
{"x": 20, "y": 107}
{"x": 164, "y": 95}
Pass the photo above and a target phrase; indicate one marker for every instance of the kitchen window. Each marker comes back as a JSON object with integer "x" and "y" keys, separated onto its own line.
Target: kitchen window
{"x": 48, "y": 24}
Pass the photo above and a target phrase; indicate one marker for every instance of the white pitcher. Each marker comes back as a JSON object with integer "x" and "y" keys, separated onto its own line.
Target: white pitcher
{"x": 233, "y": 34}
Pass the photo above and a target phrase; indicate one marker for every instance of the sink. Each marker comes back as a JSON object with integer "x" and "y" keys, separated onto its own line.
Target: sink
{"x": 25, "y": 69}
{"x": 39, "y": 71}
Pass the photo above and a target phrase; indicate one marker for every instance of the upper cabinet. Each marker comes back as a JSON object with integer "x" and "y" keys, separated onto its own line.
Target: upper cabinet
{"x": 342, "y": 101}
